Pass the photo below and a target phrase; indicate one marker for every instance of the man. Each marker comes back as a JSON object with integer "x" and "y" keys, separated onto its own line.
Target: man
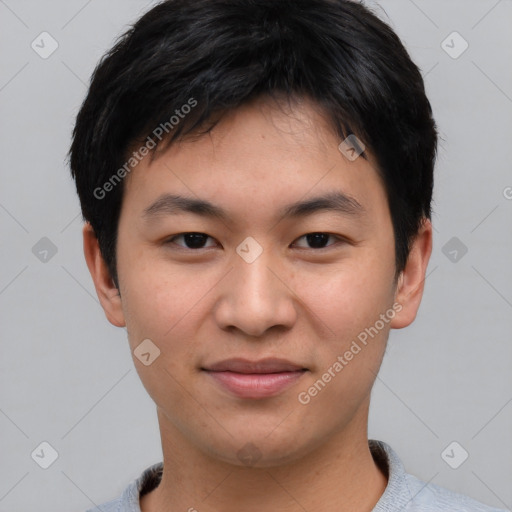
{"x": 256, "y": 177}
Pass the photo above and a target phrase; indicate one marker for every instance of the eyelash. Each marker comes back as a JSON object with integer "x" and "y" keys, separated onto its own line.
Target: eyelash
{"x": 339, "y": 238}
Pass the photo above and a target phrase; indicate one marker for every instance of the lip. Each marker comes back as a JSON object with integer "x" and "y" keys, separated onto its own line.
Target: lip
{"x": 267, "y": 365}
{"x": 255, "y": 379}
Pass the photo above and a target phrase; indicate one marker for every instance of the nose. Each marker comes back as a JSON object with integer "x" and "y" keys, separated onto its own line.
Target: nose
{"x": 256, "y": 296}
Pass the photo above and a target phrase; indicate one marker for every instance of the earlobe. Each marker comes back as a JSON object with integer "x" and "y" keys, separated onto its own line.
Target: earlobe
{"x": 107, "y": 292}
{"x": 410, "y": 286}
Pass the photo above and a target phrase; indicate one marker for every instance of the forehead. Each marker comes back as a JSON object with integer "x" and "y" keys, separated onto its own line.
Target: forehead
{"x": 260, "y": 155}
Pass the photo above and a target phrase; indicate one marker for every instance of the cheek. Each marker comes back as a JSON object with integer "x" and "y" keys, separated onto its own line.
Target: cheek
{"x": 159, "y": 307}
{"x": 350, "y": 296}
{"x": 350, "y": 302}
{"x": 349, "y": 356}
{"x": 153, "y": 305}
{"x": 164, "y": 303}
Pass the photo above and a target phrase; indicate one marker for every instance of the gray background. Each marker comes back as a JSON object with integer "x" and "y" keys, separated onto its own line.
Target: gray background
{"x": 67, "y": 377}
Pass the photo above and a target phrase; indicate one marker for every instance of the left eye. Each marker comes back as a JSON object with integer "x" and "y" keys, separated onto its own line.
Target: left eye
{"x": 318, "y": 240}
{"x": 197, "y": 240}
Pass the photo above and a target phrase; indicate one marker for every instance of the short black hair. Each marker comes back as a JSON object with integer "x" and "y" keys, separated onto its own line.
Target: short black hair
{"x": 216, "y": 55}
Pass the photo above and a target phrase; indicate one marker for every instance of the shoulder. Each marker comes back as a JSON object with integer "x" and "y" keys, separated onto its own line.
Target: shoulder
{"x": 406, "y": 493}
{"x": 434, "y": 498}
{"x": 129, "y": 501}
{"x": 109, "y": 506}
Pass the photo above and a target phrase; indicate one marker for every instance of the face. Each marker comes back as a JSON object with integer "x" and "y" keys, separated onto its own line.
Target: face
{"x": 270, "y": 321}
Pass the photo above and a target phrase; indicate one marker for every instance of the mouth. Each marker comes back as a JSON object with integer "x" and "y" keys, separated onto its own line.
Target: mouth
{"x": 255, "y": 379}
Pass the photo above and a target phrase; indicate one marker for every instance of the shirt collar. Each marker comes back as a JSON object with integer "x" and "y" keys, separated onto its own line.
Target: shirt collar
{"x": 395, "y": 498}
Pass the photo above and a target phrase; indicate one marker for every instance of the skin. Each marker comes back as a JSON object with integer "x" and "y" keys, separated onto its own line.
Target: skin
{"x": 294, "y": 301}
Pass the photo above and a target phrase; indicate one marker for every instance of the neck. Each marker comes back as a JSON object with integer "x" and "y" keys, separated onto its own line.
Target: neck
{"x": 340, "y": 475}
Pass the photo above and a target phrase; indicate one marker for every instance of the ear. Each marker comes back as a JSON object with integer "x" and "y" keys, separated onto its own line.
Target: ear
{"x": 412, "y": 279}
{"x": 107, "y": 292}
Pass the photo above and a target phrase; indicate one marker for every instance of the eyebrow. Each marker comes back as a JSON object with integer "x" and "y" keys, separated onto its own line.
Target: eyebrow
{"x": 336, "y": 201}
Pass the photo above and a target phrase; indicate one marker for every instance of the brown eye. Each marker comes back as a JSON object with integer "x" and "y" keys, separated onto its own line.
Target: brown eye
{"x": 318, "y": 240}
{"x": 191, "y": 240}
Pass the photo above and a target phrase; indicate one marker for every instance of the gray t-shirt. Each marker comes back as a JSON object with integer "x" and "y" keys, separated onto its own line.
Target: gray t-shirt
{"x": 404, "y": 492}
